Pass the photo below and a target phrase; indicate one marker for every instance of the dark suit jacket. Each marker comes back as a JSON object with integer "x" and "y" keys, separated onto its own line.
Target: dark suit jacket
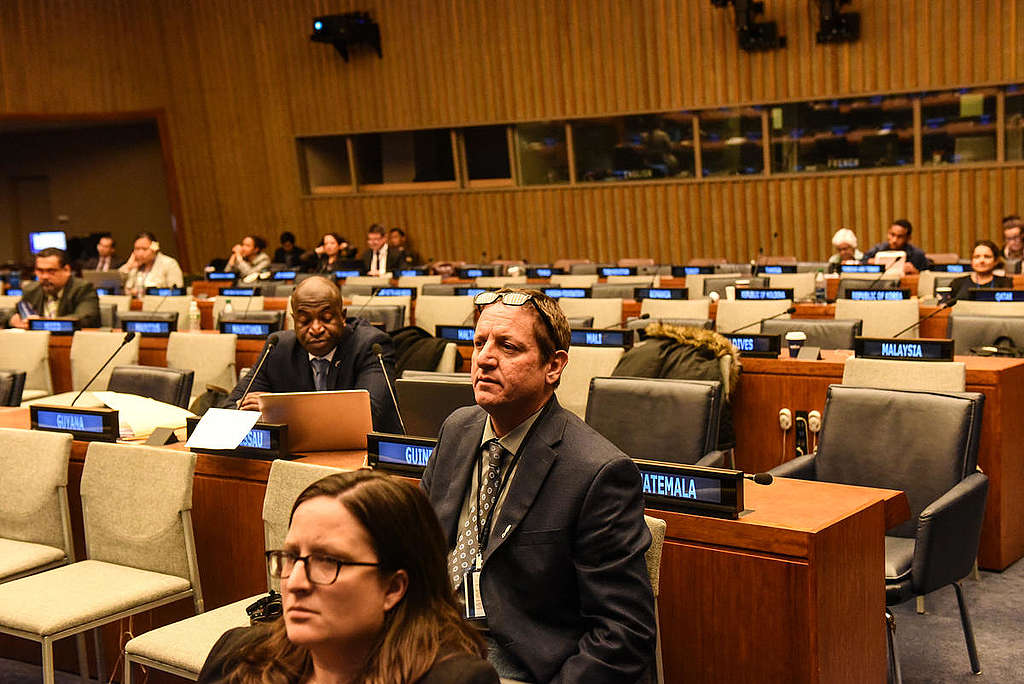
{"x": 79, "y": 299}
{"x": 915, "y": 255}
{"x": 564, "y": 581}
{"x": 287, "y": 369}
{"x": 959, "y": 288}
{"x": 91, "y": 263}
{"x": 396, "y": 259}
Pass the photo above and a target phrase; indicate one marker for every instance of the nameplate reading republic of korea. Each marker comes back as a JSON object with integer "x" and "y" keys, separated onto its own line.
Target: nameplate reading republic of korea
{"x": 903, "y": 349}
{"x": 399, "y": 454}
{"x": 867, "y": 295}
{"x": 90, "y": 424}
{"x": 692, "y": 489}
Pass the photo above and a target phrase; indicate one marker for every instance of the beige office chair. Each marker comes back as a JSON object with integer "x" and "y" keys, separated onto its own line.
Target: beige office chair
{"x": 677, "y": 308}
{"x": 212, "y": 357}
{"x": 449, "y": 357}
{"x": 179, "y": 305}
{"x": 636, "y": 261}
{"x": 918, "y": 376}
{"x": 90, "y": 348}
{"x": 635, "y": 280}
{"x": 239, "y": 305}
{"x": 122, "y": 304}
{"x": 35, "y": 525}
{"x": 28, "y": 351}
{"x": 136, "y": 509}
{"x": 570, "y": 280}
{"x": 567, "y": 264}
{"x": 802, "y": 284}
{"x": 970, "y": 308}
{"x": 418, "y": 282}
{"x": 882, "y": 319}
{"x": 500, "y": 281}
{"x": 435, "y": 310}
{"x": 607, "y": 312}
{"x": 585, "y": 363}
{"x": 744, "y": 315}
{"x": 181, "y": 648}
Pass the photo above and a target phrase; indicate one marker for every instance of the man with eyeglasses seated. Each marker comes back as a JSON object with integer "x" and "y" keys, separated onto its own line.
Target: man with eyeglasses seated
{"x": 57, "y": 293}
{"x": 1013, "y": 242}
{"x": 544, "y": 516}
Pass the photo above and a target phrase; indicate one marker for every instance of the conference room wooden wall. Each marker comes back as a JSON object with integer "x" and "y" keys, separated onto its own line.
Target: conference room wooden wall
{"x": 240, "y": 81}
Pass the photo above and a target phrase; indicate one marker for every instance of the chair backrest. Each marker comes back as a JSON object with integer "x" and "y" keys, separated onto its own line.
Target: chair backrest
{"x": 634, "y": 280}
{"x": 921, "y": 376}
{"x": 33, "y": 501}
{"x": 882, "y": 319}
{"x": 864, "y": 281}
{"x": 435, "y": 310}
{"x": 718, "y": 283}
{"x": 679, "y": 308}
{"x": 359, "y": 300}
{"x": 448, "y": 358}
{"x": 971, "y": 308}
{"x": 9, "y": 301}
{"x": 136, "y": 507}
{"x": 212, "y": 357}
{"x": 500, "y": 281}
{"x": 122, "y": 303}
{"x": 968, "y": 332}
{"x": 566, "y": 264}
{"x": 373, "y": 281}
{"x": 802, "y": 283}
{"x": 775, "y": 259}
{"x": 112, "y": 307}
{"x": 587, "y": 269}
{"x": 738, "y": 314}
{"x": 238, "y": 306}
{"x": 612, "y": 290}
{"x": 169, "y": 385}
{"x": 636, "y": 261}
{"x": 573, "y": 280}
{"x": 585, "y": 363}
{"x": 580, "y": 321}
{"x": 348, "y": 290}
{"x": 436, "y": 289}
{"x": 920, "y": 442}
{"x": 826, "y": 333}
{"x": 706, "y": 261}
{"x": 179, "y": 305}
{"x": 29, "y": 351}
{"x": 942, "y": 258}
{"x": 641, "y": 323}
{"x": 12, "y": 386}
{"x": 418, "y": 281}
{"x": 606, "y": 312}
{"x": 90, "y": 348}
{"x": 391, "y": 315}
{"x": 615, "y": 405}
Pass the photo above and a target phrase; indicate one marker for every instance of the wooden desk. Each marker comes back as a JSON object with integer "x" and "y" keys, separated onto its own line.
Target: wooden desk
{"x": 768, "y": 385}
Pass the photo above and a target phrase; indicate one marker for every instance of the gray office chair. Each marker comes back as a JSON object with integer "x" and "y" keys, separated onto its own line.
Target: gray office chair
{"x": 437, "y": 289}
{"x": 391, "y": 315}
{"x": 641, "y": 323}
{"x": 587, "y": 269}
{"x": 613, "y": 290}
{"x": 847, "y": 284}
{"x": 926, "y": 444}
{"x": 169, "y": 385}
{"x": 580, "y": 321}
{"x": 12, "y": 386}
{"x": 824, "y": 333}
{"x": 615, "y": 403}
{"x": 274, "y": 316}
{"x": 348, "y": 290}
{"x": 970, "y": 332}
{"x": 719, "y": 283}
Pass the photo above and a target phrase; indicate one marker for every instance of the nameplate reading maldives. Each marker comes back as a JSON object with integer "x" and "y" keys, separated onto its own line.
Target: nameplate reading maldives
{"x": 589, "y": 337}
{"x": 245, "y": 329}
{"x": 757, "y": 293}
{"x": 220, "y": 275}
{"x": 457, "y": 333}
{"x": 683, "y": 271}
{"x": 567, "y": 292}
{"x": 56, "y": 326}
{"x": 860, "y": 268}
{"x": 93, "y": 424}
{"x": 155, "y": 328}
{"x": 400, "y": 454}
{"x": 765, "y": 346}
{"x": 640, "y": 293}
{"x": 902, "y": 349}
{"x": 983, "y": 294}
{"x": 878, "y": 295}
{"x": 692, "y": 489}
{"x": 617, "y": 271}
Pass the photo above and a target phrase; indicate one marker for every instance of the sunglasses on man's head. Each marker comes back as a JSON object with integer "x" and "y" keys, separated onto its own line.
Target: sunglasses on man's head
{"x": 516, "y": 299}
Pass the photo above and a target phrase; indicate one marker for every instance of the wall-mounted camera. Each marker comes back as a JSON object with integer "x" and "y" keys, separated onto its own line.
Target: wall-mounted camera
{"x": 753, "y": 35}
{"x": 348, "y": 30}
{"x": 835, "y": 26}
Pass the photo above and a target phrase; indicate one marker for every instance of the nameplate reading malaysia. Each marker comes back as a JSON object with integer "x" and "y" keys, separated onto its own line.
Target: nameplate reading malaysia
{"x": 952, "y": 268}
{"x": 778, "y": 269}
{"x": 348, "y": 273}
{"x": 591, "y": 337}
{"x": 149, "y": 328}
{"x": 566, "y": 292}
{"x": 90, "y": 424}
{"x": 606, "y": 271}
{"x": 165, "y": 291}
{"x": 758, "y": 346}
{"x": 246, "y": 329}
{"x": 399, "y": 454}
{"x": 683, "y": 271}
{"x": 55, "y": 326}
{"x": 471, "y": 291}
{"x": 692, "y": 489}
{"x": 220, "y": 275}
{"x": 903, "y": 349}
{"x": 240, "y": 292}
{"x": 984, "y": 294}
{"x": 284, "y": 275}
{"x": 543, "y": 271}
{"x": 395, "y": 292}
{"x": 641, "y": 293}
{"x": 861, "y": 268}
{"x": 766, "y": 293}
{"x": 456, "y": 333}
{"x": 264, "y": 442}
{"x": 477, "y": 272}
{"x": 878, "y": 295}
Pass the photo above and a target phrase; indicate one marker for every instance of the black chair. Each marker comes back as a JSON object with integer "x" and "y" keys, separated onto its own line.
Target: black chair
{"x": 847, "y": 284}
{"x": 680, "y": 418}
{"x": 169, "y": 385}
{"x": 969, "y": 332}
{"x": 825, "y": 333}
{"x": 391, "y": 315}
{"x": 12, "y": 384}
{"x": 926, "y": 444}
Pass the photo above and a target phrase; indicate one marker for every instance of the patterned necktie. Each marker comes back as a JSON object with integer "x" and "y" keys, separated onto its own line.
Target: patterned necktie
{"x": 50, "y": 307}
{"x": 463, "y": 556}
{"x": 320, "y": 370}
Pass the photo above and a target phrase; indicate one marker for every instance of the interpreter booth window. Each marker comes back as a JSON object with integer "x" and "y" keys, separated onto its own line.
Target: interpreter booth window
{"x": 628, "y": 148}
{"x": 404, "y": 158}
{"x": 323, "y": 165}
{"x": 838, "y": 135}
{"x": 730, "y": 142}
{"x": 1014, "y": 113}
{"x": 487, "y": 153}
{"x": 958, "y": 127}
{"x": 543, "y": 154}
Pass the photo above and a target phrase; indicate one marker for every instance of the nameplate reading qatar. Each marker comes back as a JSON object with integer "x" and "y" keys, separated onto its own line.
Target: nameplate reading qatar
{"x": 681, "y": 488}
{"x": 903, "y": 349}
{"x": 399, "y": 454}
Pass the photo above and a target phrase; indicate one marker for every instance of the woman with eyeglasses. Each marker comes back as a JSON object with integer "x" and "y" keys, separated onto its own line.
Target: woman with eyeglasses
{"x": 365, "y": 595}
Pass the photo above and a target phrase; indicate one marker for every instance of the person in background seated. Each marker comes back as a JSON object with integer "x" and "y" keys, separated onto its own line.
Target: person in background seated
{"x": 327, "y": 256}
{"x": 288, "y": 253}
{"x": 398, "y": 242}
{"x": 57, "y": 292}
{"x": 898, "y": 240}
{"x": 325, "y": 352}
{"x": 379, "y": 258}
{"x": 149, "y": 267}
{"x": 1013, "y": 242}
{"x": 542, "y": 514}
{"x": 844, "y": 242}
{"x": 365, "y": 596}
{"x": 106, "y": 255}
{"x": 248, "y": 257}
{"x": 984, "y": 260}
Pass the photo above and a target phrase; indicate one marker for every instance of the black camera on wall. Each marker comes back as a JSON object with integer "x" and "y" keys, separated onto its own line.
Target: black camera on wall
{"x": 347, "y": 30}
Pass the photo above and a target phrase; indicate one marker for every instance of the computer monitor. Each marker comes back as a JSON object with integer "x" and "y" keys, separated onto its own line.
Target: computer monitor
{"x": 44, "y": 239}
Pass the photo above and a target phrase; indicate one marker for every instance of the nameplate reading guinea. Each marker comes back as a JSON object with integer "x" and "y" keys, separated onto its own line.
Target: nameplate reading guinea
{"x": 90, "y": 424}
{"x": 399, "y": 454}
{"x": 641, "y": 293}
{"x": 591, "y": 337}
{"x": 456, "y": 333}
{"x": 264, "y": 442}
{"x": 692, "y": 489}
{"x": 903, "y": 349}
{"x": 760, "y": 346}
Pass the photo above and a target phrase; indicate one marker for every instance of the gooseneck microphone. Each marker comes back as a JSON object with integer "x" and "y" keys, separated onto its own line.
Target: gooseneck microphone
{"x": 622, "y": 326}
{"x": 790, "y": 310}
{"x": 760, "y": 478}
{"x": 379, "y": 351}
{"x": 128, "y": 337}
{"x": 271, "y": 343}
{"x": 942, "y": 307}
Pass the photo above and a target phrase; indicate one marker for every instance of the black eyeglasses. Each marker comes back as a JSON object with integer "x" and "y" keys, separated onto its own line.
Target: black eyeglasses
{"x": 320, "y": 569}
{"x": 517, "y": 299}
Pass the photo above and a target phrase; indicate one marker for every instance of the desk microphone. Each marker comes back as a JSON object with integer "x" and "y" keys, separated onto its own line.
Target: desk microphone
{"x": 790, "y": 310}
{"x": 128, "y": 337}
{"x": 271, "y": 343}
{"x": 942, "y": 307}
{"x": 373, "y": 293}
{"x": 379, "y": 351}
{"x": 760, "y": 478}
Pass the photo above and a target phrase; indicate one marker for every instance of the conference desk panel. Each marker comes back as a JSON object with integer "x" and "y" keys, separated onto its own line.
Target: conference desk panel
{"x": 768, "y": 385}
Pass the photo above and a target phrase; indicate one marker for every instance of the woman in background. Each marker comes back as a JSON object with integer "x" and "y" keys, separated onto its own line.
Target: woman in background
{"x": 984, "y": 260}
{"x": 249, "y": 257}
{"x": 844, "y": 242}
{"x": 328, "y": 255}
{"x": 149, "y": 267}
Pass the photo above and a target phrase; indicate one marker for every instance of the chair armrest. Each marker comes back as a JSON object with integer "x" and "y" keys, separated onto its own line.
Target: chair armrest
{"x": 948, "y": 532}
{"x": 712, "y": 459}
{"x": 801, "y": 468}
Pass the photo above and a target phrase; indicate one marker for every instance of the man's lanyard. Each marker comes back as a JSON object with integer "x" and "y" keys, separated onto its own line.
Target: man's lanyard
{"x": 483, "y": 534}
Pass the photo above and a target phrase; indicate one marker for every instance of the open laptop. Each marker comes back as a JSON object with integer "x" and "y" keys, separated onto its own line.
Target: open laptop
{"x": 425, "y": 402}
{"x": 321, "y": 421}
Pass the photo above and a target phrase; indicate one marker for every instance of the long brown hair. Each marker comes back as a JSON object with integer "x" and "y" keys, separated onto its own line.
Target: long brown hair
{"x": 425, "y": 624}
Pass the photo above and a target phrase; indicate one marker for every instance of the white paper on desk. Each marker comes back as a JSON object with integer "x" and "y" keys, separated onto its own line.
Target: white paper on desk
{"x": 222, "y": 428}
{"x": 140, "y": 416}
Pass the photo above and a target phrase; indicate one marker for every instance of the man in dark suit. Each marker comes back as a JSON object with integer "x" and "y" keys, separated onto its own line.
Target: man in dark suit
{"x": 544, "y": 516}
{"x": 325, "y": 352}
{"x": 379, "y": 258}
{"x": 106, "y": 258}
{"x": 58, "y": 293}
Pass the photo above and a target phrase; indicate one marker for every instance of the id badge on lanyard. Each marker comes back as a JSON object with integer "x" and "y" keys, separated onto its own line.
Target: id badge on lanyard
{"x": 471, "y": 598}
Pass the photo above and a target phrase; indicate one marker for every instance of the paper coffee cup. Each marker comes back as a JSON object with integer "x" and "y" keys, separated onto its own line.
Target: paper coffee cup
{"x": 795, "y": 340}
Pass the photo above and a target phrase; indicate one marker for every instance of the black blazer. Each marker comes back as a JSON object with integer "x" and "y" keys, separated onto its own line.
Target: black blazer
{"x": 79, "y": 299}
{"x": 287, "y": 369}
{"x": 91, "y": 263}
{"x": 960, "y": 286}
{"x": 396, "y": 259}
{"x": 564, "y": 581}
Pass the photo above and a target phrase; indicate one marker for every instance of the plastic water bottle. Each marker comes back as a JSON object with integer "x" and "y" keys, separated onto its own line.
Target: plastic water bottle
{"x": 819, "y": 286}
{"x": 193, "y": 316}
{"x": 228, "y": 309}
